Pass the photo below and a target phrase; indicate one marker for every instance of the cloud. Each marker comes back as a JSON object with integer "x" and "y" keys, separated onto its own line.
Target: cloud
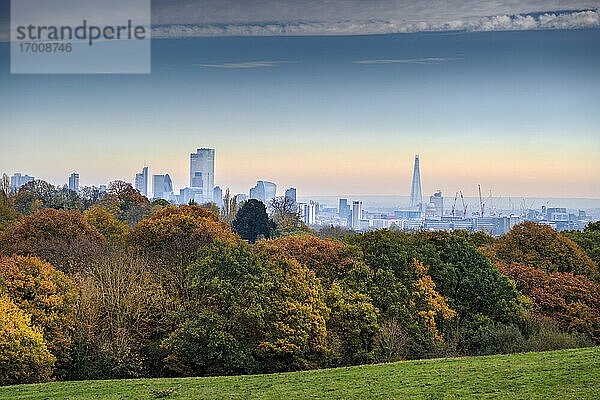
{"x": 534, "y": 21}
{"x": 205, "y": 18}
{"x": 244, "y": 65}
{"x": 425, "y": 61}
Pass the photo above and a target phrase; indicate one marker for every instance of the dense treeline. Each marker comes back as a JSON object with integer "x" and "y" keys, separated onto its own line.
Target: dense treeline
{"x": 112, "y": 285}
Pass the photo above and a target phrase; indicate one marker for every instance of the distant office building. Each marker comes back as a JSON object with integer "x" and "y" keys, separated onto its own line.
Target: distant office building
{"x": 186, "y": 195}
{"x": 18, "y": 180}
{"x": 241, "y": 197}
{"x": 202, "y": 172}
{"x": 308, "y": 213}
{"x": 438, "y": 203}
{"x": 416, "y": 196}
{"x": 291, "y": 194}
{"x": 218, "y": 196}
{"x": 162, "y": 187}
{"x": 141, "y": 182}
{"x": 264, "y": 191}
{"x": 343, "y": 208}
{"x": 74, "y": 182}
{"x": 356, "y": 214}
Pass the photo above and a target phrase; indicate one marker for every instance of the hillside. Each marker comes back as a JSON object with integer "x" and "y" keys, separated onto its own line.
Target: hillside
{"x": 570, "y": 374}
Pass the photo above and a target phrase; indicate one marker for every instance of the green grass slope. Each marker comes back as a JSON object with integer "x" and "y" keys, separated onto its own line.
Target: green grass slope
{"x": 567, "y": 374}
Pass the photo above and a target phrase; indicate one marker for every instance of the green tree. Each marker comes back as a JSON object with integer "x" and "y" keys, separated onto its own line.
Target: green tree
{"x": 542, "y": 247}
{"x": 252, "y": 222}
{"x": 223, "y": 316}
{"x": 589, "y": 240}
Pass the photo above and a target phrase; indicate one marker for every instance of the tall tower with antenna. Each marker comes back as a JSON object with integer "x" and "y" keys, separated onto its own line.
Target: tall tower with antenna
{"x": 416, "y": 197}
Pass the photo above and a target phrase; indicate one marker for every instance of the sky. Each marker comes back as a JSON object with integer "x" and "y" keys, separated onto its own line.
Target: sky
{"x": 332, "y": 97}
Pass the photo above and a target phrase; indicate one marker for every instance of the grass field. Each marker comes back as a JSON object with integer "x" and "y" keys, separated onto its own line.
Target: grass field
{"x": 567, "y": 374}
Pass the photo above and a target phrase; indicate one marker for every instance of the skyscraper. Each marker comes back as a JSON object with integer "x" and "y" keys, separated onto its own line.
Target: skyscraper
{"x": 416, "y": 197}
{"x": 141, "y": 182}
{"x": 74, "y": 182}
{"x": 162, "y": 187}
{"x": 18, "y": 180}
{"x": 202, "y": 172}
{"x": 218, "y": 196}
{"x": 438, "y": 201}
{"x": 343, "y": 208}
{"x": 264, "y": 191}
{"x": 356, "y": 214}
{"x": 308, "y": 213}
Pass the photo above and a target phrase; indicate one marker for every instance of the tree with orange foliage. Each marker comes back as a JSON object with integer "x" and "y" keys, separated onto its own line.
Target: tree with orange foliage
{"x": 330, "y": 260}
{"x": 177, "y": 235}
{"x": 62, "y": 237}
{"x": 573, "y": 301}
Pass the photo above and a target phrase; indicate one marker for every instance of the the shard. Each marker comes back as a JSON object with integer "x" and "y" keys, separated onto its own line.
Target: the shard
{"x": 416, "y": 197}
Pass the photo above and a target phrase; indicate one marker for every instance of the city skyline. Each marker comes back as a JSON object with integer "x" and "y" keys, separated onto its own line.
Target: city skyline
{"x": 412, "y": 190}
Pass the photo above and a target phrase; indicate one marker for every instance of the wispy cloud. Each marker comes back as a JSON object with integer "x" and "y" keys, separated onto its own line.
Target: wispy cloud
{"x": 424, "y": 61}
{"x": 245, "y": 65}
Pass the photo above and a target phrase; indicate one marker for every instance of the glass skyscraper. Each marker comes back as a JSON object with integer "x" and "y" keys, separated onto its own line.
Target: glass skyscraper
{"x": 202, "y": 172}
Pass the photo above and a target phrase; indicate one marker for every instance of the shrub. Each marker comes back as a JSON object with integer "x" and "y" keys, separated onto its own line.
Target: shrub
{"x": 24, "y": 357}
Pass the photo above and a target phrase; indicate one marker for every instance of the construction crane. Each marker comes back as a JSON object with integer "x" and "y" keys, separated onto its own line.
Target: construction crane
{"x": 464, "y": 205}
{"x": 481, "y": 202}
{"x": 454, "y": 205}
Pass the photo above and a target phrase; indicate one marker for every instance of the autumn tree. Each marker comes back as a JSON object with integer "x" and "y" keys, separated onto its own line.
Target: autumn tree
{"x": 230, "y": 207}
{"x": 353, "y": 319}
{"x": 48, "y": 296}
{"x": 123, "y": 312}
{"x": 62, "y": 237}
{"x": 427, "y": 303}
{"x": 295, "y": 335}
{"x": 542, "y": 247}
{"x": 106, "y": 224}
{"x": 125, "y": 203}
{"x": 24, "y": 357}
{"x": 177, "y": 235}
{"x": 573, "y": 301}
{"x": 7, "y": 216}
